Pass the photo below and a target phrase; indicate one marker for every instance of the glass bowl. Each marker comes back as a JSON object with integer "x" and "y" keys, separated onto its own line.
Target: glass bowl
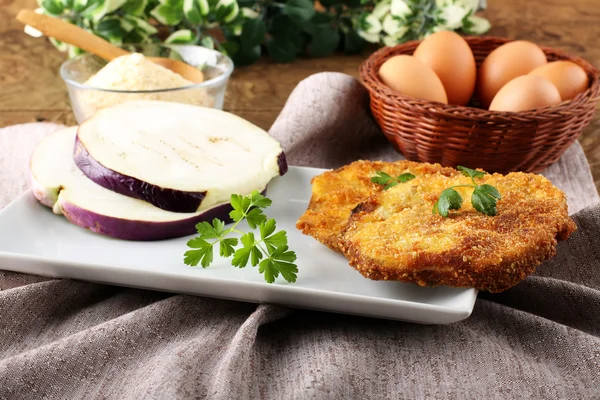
{"x": 86, "y": 100}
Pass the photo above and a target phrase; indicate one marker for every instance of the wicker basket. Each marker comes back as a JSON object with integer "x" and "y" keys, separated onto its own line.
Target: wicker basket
{"x": 495, "y": 141}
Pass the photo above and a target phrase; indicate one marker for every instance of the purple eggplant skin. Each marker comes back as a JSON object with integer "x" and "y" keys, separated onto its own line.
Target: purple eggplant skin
{"x": 164, "y": 198}
{"x": 141, "y": 230}
{"x": 167, "y": 199}
{"x": 282, "y": 163}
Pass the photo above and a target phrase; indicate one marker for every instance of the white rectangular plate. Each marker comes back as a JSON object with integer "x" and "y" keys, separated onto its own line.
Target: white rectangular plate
{"x": 34, "y": 240}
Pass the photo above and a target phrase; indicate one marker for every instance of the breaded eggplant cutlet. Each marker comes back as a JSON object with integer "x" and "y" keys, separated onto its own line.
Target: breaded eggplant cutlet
{"x": 395, "y": 236}
{"x": 335, "y": 193}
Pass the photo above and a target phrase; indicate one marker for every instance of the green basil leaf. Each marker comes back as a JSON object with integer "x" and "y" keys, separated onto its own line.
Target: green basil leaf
{"x": 79, "y": 5}
{"x": 330, "y": 3}
{"x": 322, "y": 18}
{"x": 141, "y": 25}
{"x": 52, "y": 7}
{"x": 108, "y": 25}
{"x": 222, "y": 11}
{"x": 110, "y": 29}
{"x": 94, "y": 11}
{"x": 353, "y": 43}
{"x": 74, "y": 51}
{"x": 172, "y": 3}
{"x": 61, "y": 46}
{"x": 126, "y": 25}
{"x": 116, "y": 39}
{"x": 300, "y": 10}
{"x": 207, "y": 42}
{"x": 194, "y": 10}
{"x": 182, "y": 36}
{"x": 167, "y": 15}
{"x": 136, "y": 36}
{"x": 284, "y": 28}
{"x": 325, "y": 41}
{"x": 247, "y": 56}
{"x": 230, "y": 48}
{"x": 112, "y": 5}
{"x": 281, "y": 49}
{"x": 226, "y": 11}
{"x": 135, "y": 7}
{"x": 253, "y": 33}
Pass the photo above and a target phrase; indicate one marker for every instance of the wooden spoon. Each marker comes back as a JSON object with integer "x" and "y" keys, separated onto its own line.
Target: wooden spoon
{"x": 72, "y": 34}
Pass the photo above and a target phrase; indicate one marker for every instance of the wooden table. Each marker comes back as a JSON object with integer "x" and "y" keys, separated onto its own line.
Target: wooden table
{"x": 32, "y": 90}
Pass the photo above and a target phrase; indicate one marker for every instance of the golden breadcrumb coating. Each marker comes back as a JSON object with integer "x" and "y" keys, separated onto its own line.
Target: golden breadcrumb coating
{"x": 335, "y": 193}
{"x": 394, "y": 235}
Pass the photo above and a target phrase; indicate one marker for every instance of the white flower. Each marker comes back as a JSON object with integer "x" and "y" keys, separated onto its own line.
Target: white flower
{"x": 479, "y": 25}
{"x": 394, "y": 39}
{"x": 369, "y": 37}
{"x": 392, "y": 26}
{"x": 381, "y": 9}
{"x": 436, "y": 29}
{"x": 249, "y": 13}
{"x": 453, "y": 15}
{"x": 468, "y": 4}
{"x": 372, "y": 24}
{"x": 400, "y": 9}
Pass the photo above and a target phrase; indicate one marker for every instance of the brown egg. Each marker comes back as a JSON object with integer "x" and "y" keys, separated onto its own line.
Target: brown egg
{"x": 526, "y": 92}
{"x": 409, "y": 76}
{"x": 451, "y": 58}
{"x": 504, "y": 64}
{"x": 569, "y": 78}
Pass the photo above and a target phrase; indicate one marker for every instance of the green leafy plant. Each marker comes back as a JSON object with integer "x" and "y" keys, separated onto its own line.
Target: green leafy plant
{"x": 269, "y": 252}
{"x": 483, "y": 199}
{"x": 285, "y": 29}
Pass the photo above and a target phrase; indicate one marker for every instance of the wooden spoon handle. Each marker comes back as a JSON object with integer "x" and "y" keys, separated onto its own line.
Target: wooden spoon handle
{"x": 71, "y": 34}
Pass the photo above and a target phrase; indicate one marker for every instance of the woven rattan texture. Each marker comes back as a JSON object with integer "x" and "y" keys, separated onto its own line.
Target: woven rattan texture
{"x": 495, "y": 141}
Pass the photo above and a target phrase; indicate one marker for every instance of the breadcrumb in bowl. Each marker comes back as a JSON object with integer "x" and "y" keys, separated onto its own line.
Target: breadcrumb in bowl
{"x": 93, "y": 84}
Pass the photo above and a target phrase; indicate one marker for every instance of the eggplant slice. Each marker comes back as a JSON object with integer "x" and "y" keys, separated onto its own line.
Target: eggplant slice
{"x": 58, "y": 183}
{"x": 178, "y": 157}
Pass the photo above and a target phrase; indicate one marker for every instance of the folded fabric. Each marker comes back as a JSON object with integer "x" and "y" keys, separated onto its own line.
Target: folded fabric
{"x": 64, "y": 339}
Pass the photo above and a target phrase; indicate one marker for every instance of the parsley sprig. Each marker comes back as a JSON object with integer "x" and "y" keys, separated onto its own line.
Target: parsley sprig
{"x": 483, "y": 199}
{"x": 270, "y": 251}
{"x": 389, "y": 181}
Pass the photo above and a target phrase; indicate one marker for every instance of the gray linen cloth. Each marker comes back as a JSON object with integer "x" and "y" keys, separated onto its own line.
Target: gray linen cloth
{"x": 66, "y": 339}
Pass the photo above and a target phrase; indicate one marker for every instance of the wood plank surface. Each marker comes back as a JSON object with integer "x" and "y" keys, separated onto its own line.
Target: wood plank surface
{"x": 31, "y": 88}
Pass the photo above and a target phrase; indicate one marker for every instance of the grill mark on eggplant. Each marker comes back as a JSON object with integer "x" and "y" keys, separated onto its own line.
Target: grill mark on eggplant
{"x": 212, "y": 159}
{"x": 196, "y": 154}
{"x": 164, "y": 198}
